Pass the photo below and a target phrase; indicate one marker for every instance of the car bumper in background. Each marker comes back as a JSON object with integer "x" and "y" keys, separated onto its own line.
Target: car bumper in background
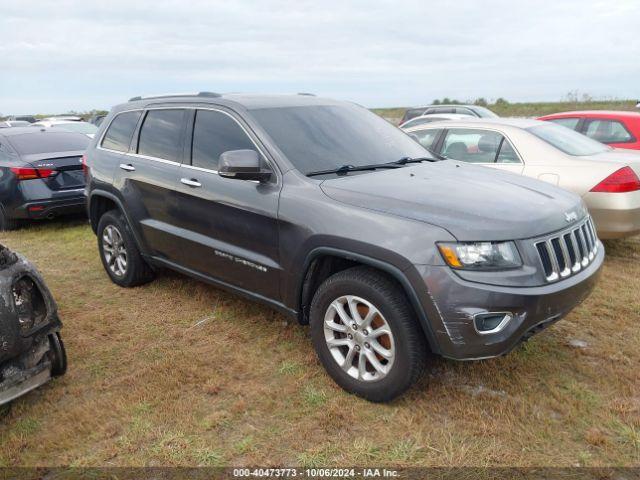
{"x": 616, "y": 215}
{"x": 451, "y": 304}
{"x": 64, "y": 204}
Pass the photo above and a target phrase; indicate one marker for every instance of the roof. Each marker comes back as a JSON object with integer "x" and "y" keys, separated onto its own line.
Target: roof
{"x": 486, "y": 122}
{"x": 468, "y": 105}
{"x": 596, "y": 113}
{"x": 246, "y": 100}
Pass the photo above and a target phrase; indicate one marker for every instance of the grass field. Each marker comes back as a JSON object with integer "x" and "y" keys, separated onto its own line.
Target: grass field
{"x": 181, "y": 373}
{"x": 531, "y": 109}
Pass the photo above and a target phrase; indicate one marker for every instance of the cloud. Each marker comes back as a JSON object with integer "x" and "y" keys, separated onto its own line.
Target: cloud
{"x": 73, "y": 54}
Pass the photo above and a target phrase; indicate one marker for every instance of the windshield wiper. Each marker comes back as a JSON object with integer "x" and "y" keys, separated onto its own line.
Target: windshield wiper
{"x": 344, "y": 169}
{"x": 405, "y": 160}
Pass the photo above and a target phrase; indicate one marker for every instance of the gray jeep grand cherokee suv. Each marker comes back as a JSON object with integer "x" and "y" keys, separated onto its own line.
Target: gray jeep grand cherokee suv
{"x": 330, "y": 214}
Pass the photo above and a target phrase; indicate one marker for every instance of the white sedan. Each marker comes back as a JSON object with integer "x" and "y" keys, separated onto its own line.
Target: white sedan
{"x": 605, "y": 178}
{"x": 69, "y": 125}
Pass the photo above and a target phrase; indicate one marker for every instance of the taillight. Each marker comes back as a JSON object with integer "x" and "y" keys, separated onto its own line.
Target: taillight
{"x": 85, "y": 168}
{"x": 620, "y": 181}
{"x": 32, "y": 173}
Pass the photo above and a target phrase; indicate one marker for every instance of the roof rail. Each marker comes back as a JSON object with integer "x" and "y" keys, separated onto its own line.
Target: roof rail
{"x": 169, "y": 95}
{"x": 307, "y": 94}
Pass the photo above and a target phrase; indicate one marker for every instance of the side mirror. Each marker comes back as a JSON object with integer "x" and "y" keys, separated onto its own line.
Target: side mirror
{"x": 242, "y": 165}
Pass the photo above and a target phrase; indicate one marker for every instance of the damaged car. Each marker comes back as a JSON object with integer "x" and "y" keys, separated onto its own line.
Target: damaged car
{"x": 31, "y": 349}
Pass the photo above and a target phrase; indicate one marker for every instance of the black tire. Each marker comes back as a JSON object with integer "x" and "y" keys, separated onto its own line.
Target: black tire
{"x": 6, "y": 223}
{"x": 58, "y": 355}
{"x": 137, "y": 271}
{"x": 390, "y": 300}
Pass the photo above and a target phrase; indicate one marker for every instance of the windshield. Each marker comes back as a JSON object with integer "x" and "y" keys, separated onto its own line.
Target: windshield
{"x": 567, "y": 140}
{"x": 79, "y": 127}
{"x": 323, "y": 137}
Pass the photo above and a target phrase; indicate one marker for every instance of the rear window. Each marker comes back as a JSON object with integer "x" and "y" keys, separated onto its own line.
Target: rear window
{"x": 120, "y": 132}
{"x": 568, "y": 141}
{"x": 48, "y": 142}
{"x": 161, "y": 134}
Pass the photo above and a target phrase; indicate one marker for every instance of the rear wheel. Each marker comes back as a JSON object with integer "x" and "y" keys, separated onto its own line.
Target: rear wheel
{"x": 365, "y": 334}
{"x": 119, "y": 253}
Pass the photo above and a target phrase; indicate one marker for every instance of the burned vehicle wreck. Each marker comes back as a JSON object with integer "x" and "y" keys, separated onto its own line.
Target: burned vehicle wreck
{"x": 31, "y": 349}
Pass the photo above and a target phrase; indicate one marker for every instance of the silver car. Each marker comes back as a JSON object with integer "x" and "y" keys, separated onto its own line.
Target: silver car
{"x": 605, "y": 178}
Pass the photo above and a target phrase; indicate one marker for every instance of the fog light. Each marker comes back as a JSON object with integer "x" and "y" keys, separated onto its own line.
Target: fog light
{"x": 491, "y": 322}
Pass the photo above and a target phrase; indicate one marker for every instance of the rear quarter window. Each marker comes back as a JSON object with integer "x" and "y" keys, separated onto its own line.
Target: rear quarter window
{"x": 120, "y": 131}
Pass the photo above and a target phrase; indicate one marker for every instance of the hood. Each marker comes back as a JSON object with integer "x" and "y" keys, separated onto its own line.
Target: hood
{"x": 471, "y": 202}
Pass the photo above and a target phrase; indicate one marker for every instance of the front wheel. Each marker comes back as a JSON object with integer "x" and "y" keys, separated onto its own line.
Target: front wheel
{"x": 365, "y": 334}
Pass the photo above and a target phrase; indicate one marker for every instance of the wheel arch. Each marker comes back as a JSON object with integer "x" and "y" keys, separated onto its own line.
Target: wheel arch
{"x": 100, "y": 202}
{"x": 323, "y": 262}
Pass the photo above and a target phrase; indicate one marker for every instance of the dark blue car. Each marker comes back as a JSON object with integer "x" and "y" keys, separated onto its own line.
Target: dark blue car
{"x": 41, "y": 174}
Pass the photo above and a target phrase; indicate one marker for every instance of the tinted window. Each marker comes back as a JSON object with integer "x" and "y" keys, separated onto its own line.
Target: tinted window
{"x": 213, "y": 134}
{"x": 568, "y": 141}
{"x": 464, "y": 111}
{"x": 413, "y": 113}
{"x": 425, "y": 137}
{"x": 474, "y": 146}
{"x": 608, "y": 131}
{"x": 571, "y": 123}
{"x": 484, "y": 112}
{"x": 161, "y": 134}
{"x": 48, "y": 142}
{"x": 118, "y": 136}
{"x": 322, "y": 137}
{"x": 439, "y": 110}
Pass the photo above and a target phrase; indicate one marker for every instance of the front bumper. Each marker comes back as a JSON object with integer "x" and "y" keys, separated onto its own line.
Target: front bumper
{"x": 451, "y": 303}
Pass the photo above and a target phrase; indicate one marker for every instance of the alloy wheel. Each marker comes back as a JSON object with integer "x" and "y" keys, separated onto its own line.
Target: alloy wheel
{"x": 114, "y": 250}
{"x": 359, "y": 338}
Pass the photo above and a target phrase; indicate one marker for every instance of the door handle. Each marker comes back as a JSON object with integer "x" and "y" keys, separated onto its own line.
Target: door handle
{"x": 128, "y": 167}
{"x": 192, "y": 182}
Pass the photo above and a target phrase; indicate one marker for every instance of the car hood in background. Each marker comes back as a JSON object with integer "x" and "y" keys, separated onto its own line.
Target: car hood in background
{"x": 471, "y": 202}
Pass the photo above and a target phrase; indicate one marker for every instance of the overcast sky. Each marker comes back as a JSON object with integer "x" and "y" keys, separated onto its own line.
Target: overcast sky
{"x": 81, "y": 54}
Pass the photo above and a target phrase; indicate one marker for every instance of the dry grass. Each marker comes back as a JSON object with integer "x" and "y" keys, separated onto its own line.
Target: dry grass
{"x": 151, "y": 383}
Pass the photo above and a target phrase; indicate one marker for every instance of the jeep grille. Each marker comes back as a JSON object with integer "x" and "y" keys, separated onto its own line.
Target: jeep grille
{"x": 569, "y": 251}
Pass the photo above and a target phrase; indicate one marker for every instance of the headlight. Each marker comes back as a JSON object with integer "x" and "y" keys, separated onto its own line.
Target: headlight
{"x": 480, "y": 255}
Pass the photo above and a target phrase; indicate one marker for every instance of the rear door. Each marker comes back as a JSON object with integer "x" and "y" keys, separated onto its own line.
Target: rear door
{"x": 147, "y": 179}
{"x": 228, "y": 227}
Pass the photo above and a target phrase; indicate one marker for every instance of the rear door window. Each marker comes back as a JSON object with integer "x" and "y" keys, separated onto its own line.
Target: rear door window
{"x": 213, "y": 134}
{"x": 608, "y": 131}
{"x": 119, "y": 134}
{"x": 571, "y": 123}
{"x": 478, "y": 146}
{"x": 161, "y": 134}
